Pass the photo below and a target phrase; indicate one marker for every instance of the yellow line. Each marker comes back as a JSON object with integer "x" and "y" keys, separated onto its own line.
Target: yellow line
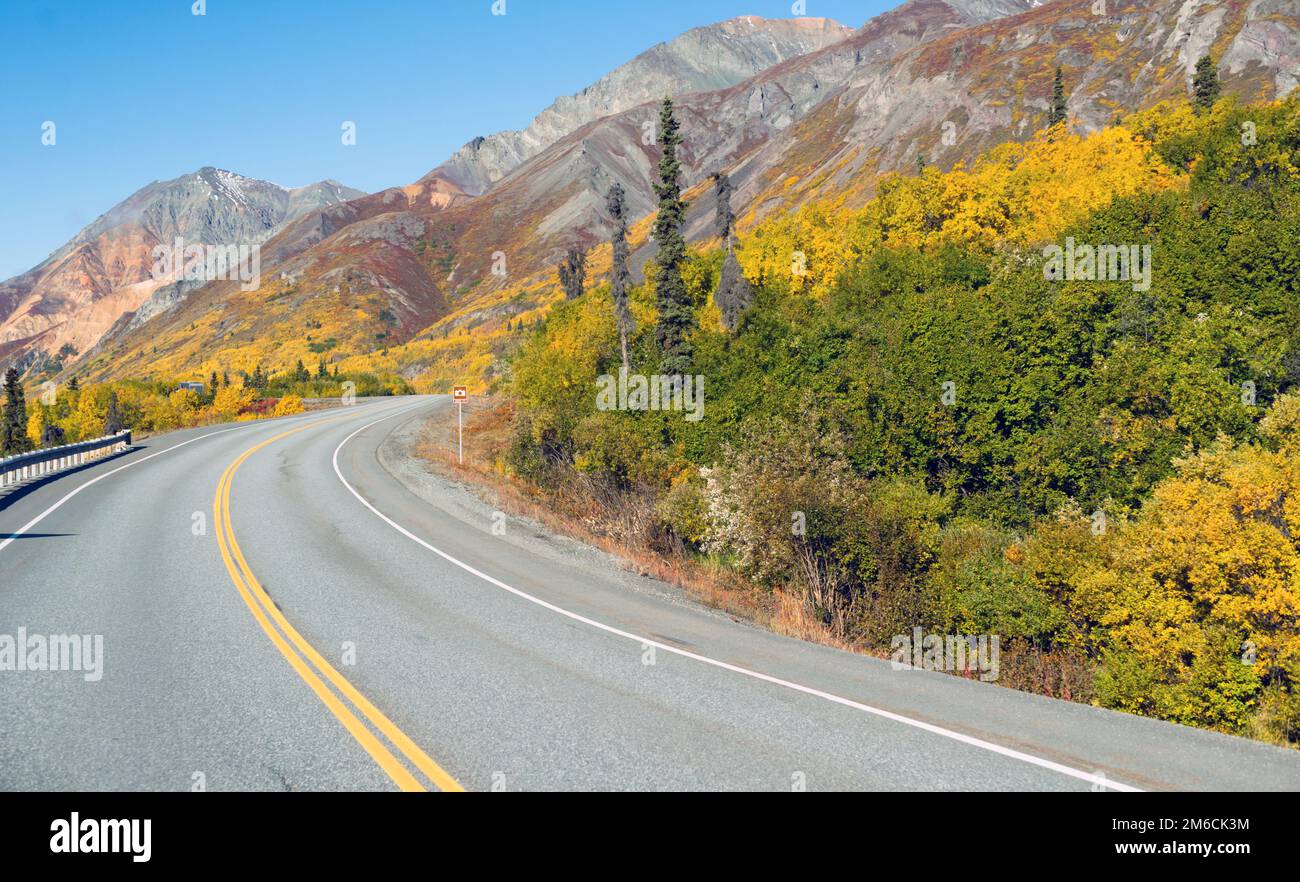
{"x": 250, "y": 588}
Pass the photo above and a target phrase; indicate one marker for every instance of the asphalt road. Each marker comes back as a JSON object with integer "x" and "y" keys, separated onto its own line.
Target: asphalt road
{"x": 283, "y": 607}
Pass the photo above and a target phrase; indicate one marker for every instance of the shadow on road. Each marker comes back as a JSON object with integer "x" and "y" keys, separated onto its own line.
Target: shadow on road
{"x": 4, "y": 536}
{"x": 10, "y": 495}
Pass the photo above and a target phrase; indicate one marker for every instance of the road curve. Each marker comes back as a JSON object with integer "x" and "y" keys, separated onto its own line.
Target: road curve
{"x": 292, "y": 605}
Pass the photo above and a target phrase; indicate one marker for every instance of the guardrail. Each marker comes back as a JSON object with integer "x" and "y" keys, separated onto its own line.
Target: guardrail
{"x": 24, "y": 466}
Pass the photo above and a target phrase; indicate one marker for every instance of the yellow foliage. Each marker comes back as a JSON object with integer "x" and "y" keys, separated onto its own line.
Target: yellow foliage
{"x": 1018, "y": 194}
{"x": 230, "y": 400}
{"x": 1212, "y": 561}
{"x": 36, "y": 424}
{"x": 289, "y": 405}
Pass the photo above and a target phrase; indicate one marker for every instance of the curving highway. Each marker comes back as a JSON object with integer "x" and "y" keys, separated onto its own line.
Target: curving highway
{"x": 296, "y": 604}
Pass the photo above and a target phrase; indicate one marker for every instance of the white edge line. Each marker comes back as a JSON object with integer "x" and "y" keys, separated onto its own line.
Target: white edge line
{"x": 49, "y": 511}
{"x": 1096, "y": 779}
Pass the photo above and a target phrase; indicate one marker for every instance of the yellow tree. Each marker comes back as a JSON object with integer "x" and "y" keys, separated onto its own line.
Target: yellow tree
{"x": 1201, "y": 596}
{"x": 289, "y": 405}
{"x": 36, "y": 423}
{"x": 230, "y": 401}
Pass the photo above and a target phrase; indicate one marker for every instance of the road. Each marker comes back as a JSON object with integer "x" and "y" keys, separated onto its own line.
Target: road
{"x": 284, "y": 607}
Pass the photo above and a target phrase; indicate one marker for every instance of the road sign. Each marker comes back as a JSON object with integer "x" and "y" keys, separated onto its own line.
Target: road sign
{"x": 460, "y": 394}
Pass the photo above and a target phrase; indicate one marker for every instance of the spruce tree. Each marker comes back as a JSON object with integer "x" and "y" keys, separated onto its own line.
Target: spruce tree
{"x": 1057, "y": 114}
{"x": 619, "y": 275}
{"x": 1206, "y": 84}
{"x": 113, "y": 417}
{"x": 13, "y": 423}
{"x": 573, "y": 273}
{"x": 723, "y": 218}
{"x": 734, "y": 293}
{"x": 676, "y": 317}
{"x": 322, "y": 372}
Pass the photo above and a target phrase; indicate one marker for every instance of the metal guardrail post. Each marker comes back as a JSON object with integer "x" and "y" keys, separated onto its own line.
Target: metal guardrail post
{"x": 24, "y": 466}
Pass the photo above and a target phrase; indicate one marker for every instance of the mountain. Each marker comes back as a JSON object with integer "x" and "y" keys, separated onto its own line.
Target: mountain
{"x": 79, "y": 292}
{"x": 440, "y": 268}
{"x": 700, "y": 60}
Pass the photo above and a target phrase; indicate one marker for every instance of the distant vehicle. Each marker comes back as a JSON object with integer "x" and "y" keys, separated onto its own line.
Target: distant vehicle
{"x": 196, "y": 387}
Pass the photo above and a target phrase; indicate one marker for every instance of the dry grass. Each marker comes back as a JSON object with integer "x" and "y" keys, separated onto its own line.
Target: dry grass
{"x": 617, "y": 523}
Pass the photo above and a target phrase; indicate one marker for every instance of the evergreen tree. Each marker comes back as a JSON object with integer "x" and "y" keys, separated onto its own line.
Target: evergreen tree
{"x": 1206, "y": 84}
{"x": 112, "y": 418}
{"x": 225, "y": 378}
{"x": 676, "y": 317}
{"x": 573, "y": 273}
{"x": 1057, "y": 113}
{"x": 619, "y": 276}
{"x": 212, "y": 384}
{"x": 322, "y": 372}
{"x": 920, "y": 163}
{"x": 74, "y": 385}
{"x": 734, "y": 293}
{"x": 13, "y": 423}
{"x": 336, "y": 371}
{"x": 300, "y": 372}
{"x": 723, "y": 218}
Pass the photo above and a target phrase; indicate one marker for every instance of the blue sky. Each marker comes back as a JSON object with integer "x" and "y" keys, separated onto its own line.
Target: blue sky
{"x": 143, "y": 90}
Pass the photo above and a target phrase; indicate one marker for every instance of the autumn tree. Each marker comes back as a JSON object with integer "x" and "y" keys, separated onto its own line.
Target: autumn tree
{"x": 13, "y": 432}
{"x": 1198, "y": 591}
{"x": 573, "y": 273}
{"x": 1205, "y": 83}
{"x": 619, "y": 275}
{"x": 676, "y": 317}
{"x": 288, "y": 405}
{"x": 231, "y": 401}
{"x": 36, "y": 425}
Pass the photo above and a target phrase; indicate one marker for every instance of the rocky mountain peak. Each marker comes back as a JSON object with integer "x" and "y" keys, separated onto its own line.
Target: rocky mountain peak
{"x": 716, "y": 56}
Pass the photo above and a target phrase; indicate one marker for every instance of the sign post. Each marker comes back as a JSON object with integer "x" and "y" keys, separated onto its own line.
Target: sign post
{"x": 459, "y": 393}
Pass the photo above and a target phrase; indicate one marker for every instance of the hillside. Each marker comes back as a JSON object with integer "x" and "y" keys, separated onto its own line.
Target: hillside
{"x": 931, "y": 431}
{"x": 68, "y": 301}
{"x": 404, "y": 279}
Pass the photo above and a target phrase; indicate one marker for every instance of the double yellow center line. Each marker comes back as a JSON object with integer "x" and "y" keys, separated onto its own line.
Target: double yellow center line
{"x": 298, "y": 652}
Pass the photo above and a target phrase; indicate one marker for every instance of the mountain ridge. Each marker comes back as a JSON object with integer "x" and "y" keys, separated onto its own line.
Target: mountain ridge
{"x": 701, "y": 59}
{"x": 933, "y": 80}
{"x": 79, "y": 291}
